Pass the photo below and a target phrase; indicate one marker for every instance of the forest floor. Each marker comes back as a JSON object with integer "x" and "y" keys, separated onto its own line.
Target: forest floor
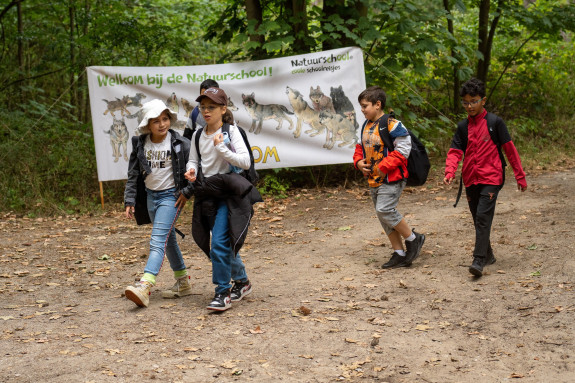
{"x": 322, "y": 309}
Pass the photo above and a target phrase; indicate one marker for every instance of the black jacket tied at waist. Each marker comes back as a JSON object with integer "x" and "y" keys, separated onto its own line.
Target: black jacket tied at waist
{"x": 239, "y": 194}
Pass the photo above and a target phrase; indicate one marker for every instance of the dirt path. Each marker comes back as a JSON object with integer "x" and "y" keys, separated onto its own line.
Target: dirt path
{"x": 322, "y": 309}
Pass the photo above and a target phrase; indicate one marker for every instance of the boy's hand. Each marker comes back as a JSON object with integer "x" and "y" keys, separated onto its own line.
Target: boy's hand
{"x": 521, "y": 187}
{"x": 190, "y": 175}
{"x": 447, "y": 180}
{"x": 129, "y": 212}
{"x": 364, "y": 167}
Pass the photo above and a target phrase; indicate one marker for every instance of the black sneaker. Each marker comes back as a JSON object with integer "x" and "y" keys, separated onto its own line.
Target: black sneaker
{"x": 413, "y": 248}
{"x": 221, "y": 302}
{"x": 476, "y": 267}
{"x": 240, "y": 290}
{"x": 490, "y": 258}
{"x": 395, "y": 261}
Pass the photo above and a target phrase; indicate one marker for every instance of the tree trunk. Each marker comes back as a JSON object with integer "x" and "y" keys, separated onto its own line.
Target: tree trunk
{"x": 456, "y": 106}
{"x": 72, "y": 78}
{"x": 297, "y": 9}
{"x": 254, "y": 13}
{"x": 482, "y": 39}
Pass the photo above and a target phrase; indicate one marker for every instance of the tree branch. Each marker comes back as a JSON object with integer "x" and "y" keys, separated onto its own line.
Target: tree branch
{"x": 510, "y": 62}
{"x": 30, "y": 78}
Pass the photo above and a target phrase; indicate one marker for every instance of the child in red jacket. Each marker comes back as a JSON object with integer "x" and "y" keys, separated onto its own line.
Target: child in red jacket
{"x": 386, "y": 172}
{"x": 479, "y": 141}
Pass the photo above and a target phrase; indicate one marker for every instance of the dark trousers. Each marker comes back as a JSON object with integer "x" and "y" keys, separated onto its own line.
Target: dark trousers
{"x": 482, "y": 200}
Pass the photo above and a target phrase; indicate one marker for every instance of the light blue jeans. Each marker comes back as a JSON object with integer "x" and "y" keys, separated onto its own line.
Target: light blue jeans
{"x": 225, "y": 265}
{"x": 385, "y": 199}
{"x": 164, "y": 215}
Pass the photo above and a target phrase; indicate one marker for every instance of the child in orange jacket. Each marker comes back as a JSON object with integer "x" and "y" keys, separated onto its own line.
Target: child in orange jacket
{"x": 386, "y": 172}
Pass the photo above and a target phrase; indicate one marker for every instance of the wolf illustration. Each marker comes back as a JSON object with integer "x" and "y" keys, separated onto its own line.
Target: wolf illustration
{"x": 139, "y": 115}
{"x": 339, "y": 128}
{"x": 231, "y": 105}
{"x": 172, "y": 102}
{"x": 260, "y": 112}
{"x": 320, "y": 101}
{"x": 117, "y": 104}
{"x": 304, "y": 113}
{"x": 342, "y": 105}
{"x": 137, "y": 99}
{"x": 178, "y": 125}
{"x": 188, "y": 107}
{"x": 118, "y": 139}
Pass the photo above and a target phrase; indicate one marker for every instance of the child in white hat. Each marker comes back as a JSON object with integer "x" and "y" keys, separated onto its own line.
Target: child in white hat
{"x": 156, "y": 192}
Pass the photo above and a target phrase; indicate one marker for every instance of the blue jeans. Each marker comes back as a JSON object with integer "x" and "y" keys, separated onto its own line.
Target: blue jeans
{"x": 226, "y": 266}
{"x": 163, "y": 214}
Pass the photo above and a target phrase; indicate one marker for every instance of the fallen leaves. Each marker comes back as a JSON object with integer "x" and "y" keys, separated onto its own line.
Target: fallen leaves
{"x": 257, "y": 330}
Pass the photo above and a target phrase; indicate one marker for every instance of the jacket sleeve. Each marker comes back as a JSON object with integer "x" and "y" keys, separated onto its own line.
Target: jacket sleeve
{"x": 455, "y": 154}
{"x": 133, "y": 173}
{"x": 393, "y": 161}
{"x": 357, "y": 155}
{"x": 454, "y": 157}
{"x": 513, "y": 158}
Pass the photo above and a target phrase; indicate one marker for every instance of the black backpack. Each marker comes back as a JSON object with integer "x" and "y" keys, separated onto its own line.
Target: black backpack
{"x": 251, "y": 174}
{"x": 418, "y": 164}
{"x": 463, "y": 126}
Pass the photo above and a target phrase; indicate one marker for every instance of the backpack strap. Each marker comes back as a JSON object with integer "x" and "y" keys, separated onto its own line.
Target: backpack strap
{"x": 384, "y": 131}
{"x": 197, "y": 140}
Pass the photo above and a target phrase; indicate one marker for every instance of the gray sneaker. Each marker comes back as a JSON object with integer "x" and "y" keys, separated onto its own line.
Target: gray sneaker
{"x": 181, "y": 288}
{"x": 139, "y": 293}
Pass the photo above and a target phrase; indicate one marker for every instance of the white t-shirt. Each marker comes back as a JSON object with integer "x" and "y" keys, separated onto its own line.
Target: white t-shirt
{"x": 217, "y": 159}
{"x": 159, "y": 157}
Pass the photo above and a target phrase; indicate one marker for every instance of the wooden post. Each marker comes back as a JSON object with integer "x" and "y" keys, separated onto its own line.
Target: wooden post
{"x": 102, "y": 193}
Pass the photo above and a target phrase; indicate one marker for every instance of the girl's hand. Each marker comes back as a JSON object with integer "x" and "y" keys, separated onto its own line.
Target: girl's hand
{"x": 190, "y": 175}
{"x": 129, "y": 212}
{"x": 218, "y": 138}
{"x": 181, "y": 202}
{"x": 447, "y": 180}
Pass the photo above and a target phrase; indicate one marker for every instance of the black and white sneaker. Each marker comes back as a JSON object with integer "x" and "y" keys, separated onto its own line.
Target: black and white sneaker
{"x": 240, "y": 290}
{"x": 221, "y": 302}
{"x": 413, "y": 248}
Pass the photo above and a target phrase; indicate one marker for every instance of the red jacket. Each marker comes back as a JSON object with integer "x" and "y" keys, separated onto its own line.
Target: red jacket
{"x": 481, "y": 161}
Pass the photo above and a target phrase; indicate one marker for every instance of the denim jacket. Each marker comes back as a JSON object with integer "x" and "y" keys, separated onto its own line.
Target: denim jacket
{"x": 138, "y": 167}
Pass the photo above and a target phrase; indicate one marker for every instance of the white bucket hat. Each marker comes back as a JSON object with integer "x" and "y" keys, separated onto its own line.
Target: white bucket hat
{"x": 153, "y": 109}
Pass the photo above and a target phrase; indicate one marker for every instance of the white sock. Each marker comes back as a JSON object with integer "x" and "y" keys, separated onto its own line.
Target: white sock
{"x": 400, "y": 252}
{"x": 411, "y": 237}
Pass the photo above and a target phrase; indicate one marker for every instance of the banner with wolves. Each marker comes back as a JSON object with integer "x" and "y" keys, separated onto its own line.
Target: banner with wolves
{"x": 297, "y": 111}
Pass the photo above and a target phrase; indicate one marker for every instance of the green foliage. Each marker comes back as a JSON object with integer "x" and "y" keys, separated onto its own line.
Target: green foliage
{"x": 46, "y": 136}
{"x": 273, "y": 185}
